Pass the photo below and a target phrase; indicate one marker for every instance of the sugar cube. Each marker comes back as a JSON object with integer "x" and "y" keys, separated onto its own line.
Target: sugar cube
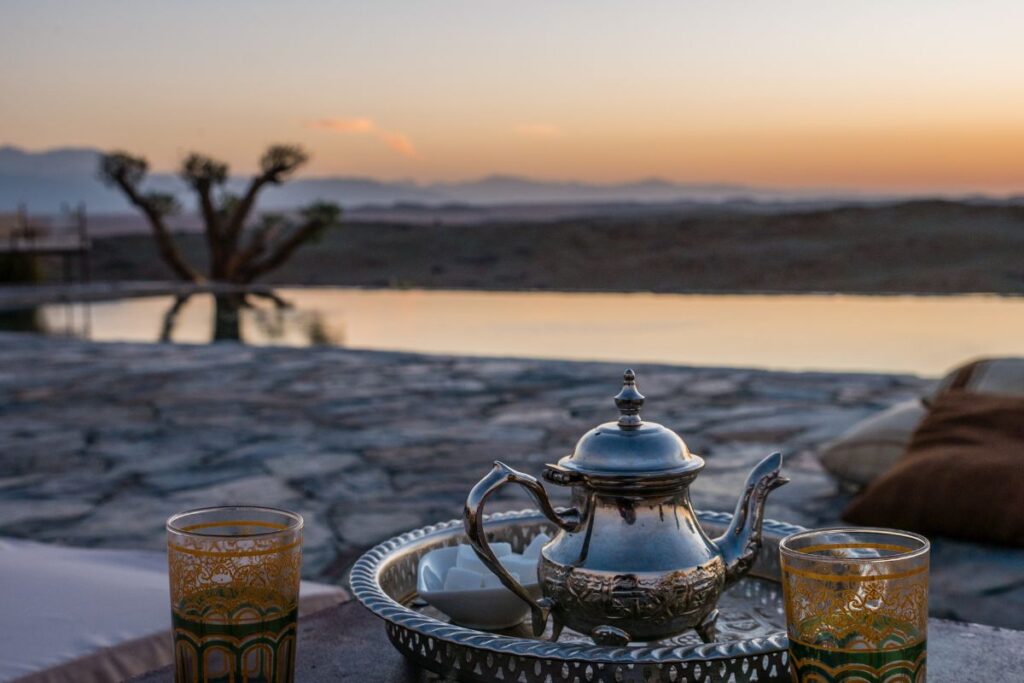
{"x": 522, "y": 566}
{"x": 431, "y": 579}
{"x": 459, "y": 579}
{"x": 492, "y": 581}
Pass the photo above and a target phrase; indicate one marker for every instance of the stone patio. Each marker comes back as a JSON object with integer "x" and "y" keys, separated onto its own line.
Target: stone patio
{"x": 99, "y": 443}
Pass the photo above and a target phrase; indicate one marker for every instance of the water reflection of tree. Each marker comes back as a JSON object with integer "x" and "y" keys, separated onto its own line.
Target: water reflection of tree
{"x": 171, "y": 317}
{"x": 318, "y": 334}
{"x": 273, "y": 323}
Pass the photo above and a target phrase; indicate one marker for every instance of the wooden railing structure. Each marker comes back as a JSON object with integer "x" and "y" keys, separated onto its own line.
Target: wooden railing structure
{"x": 66, "y": 239}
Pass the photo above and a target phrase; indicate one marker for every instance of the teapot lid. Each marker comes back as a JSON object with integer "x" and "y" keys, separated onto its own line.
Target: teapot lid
{"x": 629, "y": 450}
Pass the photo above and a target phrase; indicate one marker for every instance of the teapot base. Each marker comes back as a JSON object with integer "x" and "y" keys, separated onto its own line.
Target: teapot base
{"x": 612, "y": 636}
{"x": 708, "y": 629}
{"x": 644, "y": 606}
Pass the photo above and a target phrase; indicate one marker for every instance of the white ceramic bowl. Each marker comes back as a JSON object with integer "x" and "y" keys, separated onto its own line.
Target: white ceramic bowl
{"x": 455, "y": 581}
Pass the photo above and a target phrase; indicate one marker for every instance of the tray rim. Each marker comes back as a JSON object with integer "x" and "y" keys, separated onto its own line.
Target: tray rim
{"x": 366, "y": 587}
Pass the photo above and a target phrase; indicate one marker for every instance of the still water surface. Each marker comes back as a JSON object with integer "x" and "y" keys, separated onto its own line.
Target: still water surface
{"x": 923, "y": 335}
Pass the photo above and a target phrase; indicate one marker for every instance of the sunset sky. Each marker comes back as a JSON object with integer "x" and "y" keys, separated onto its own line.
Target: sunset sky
{"x": 867, "y": 94}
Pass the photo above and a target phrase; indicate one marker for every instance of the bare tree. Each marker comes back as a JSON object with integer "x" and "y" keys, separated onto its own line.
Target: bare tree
{"x": 237, "y": 255}
{"x": 240, "y": 249}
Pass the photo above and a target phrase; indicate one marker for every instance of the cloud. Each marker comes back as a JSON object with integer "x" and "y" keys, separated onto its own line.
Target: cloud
{"x": 394, "y": 140}
{"x": 537, "y": 130}
{"x": 399, "y": 142}
{"x": 345, "y": 125}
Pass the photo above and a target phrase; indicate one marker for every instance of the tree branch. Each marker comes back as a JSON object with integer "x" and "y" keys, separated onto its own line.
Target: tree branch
{"x": 212, "y": 228}
{"x": 203, "y": 173}
{"x": 242, "y": 210}
{"x": 316, "y": 219}
{"x": 150, "y": 207}
{"x": 268, "y": 231}
{"x": 277, "y": 163}
{"x": 207, "y": 209}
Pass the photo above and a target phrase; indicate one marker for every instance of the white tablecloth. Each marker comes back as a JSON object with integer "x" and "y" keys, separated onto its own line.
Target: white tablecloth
{"x": 59, "y": 604}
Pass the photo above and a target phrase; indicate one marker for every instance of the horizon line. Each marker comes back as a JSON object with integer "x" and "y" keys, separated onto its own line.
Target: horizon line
{"x": 739, "y": 186}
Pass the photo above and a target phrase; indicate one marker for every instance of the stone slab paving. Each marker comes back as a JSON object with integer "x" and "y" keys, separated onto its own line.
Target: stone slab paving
{"x": 99, "y": 443}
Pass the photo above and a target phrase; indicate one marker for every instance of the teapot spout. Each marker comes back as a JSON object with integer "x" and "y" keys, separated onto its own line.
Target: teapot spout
{"x": 741, "y": 542}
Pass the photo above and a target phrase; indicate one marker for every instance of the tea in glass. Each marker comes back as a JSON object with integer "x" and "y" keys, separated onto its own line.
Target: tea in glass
{"x": 856, "y": 605}
{"x": 234, "y": 574}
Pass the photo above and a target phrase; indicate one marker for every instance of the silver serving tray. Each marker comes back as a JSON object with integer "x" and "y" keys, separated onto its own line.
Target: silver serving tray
{"x": 752, "y": 640}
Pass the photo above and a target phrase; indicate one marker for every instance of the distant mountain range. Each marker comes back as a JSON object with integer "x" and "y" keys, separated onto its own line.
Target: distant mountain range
{"x": 45, "y": 180}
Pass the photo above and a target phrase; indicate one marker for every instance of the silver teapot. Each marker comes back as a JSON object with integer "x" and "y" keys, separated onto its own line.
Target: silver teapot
{"x": 630, "y": 561}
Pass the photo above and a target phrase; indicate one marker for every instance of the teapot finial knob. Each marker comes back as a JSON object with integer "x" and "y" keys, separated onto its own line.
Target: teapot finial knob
{"x": 629, "y": 401}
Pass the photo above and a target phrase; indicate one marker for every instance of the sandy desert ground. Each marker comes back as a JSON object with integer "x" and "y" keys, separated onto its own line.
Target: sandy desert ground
{"x": 914, "y": 247}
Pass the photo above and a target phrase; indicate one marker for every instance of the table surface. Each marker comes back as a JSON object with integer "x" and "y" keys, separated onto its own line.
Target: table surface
{"x": 348, "y": 643}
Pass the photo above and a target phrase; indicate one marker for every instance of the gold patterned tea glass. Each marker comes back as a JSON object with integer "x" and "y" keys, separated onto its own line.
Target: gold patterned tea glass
{"x": 856, "y": 605}
{"x": 234, "y": 594}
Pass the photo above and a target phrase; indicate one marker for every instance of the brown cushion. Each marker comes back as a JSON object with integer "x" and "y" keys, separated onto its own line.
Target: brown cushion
{"x": 872, "y": 447}
{"x": 987, "y": 376}
{"x": 962, "y": 475}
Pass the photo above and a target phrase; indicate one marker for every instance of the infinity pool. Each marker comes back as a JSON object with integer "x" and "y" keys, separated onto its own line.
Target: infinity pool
{"x": 918, "y": 334}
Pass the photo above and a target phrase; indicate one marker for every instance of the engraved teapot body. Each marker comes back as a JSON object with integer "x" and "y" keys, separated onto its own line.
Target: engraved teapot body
{"x": 630, "y": 561}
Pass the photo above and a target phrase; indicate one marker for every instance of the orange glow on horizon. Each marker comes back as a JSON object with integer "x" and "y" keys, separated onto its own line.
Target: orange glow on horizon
{"x": 908, "y": 95}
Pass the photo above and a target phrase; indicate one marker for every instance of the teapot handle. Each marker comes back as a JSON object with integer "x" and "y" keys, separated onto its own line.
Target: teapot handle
{"x": 473, "y": 520}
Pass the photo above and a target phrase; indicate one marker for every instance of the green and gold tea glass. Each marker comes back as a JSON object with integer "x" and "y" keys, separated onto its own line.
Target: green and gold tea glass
{"x": 234, "y": 575}
{"x": 856, "y": 605}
